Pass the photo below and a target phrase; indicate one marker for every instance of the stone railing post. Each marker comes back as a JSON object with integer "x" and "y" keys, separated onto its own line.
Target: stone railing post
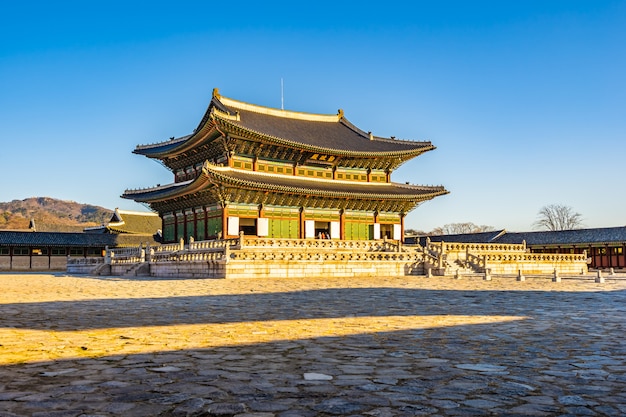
{"x": 520, "y": 276}
{"x": 107, "y": 255}
{"x": 556, "y": 277}
{"x": 142, "y": 254}
{"x": 226, "y": 253}
{"x": 241, "y": 239}
{"x": 599, "y": 278}
{"x": 487, "y": 274}
{"x": 181, "y": 244}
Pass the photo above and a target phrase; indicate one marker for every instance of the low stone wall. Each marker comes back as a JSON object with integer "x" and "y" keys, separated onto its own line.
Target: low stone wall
{"x": 84, "y": 265}
{"x": 263, "y": 268}
{"x": 33, "y": 263}
{"x": 536, "y": 263}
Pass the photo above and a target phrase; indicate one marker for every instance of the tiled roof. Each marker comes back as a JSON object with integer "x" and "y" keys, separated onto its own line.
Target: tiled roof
{"x": 12, "y": 238}
{"x": 319, "y": 133}
{"x": 288, "y": 184}
{"x": 482, "y": 237}
{"x": 340, "y": 135}
{"x": 136, "y": 222}
{"x": 543, "y": 238}
{"x": 568, "y": 237}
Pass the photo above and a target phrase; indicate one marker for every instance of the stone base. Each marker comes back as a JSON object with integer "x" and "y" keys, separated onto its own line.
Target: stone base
{"x": 283, "y": 269}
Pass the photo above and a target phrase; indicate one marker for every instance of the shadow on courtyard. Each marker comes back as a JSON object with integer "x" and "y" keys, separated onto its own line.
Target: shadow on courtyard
{"x": 407, "y": 371}
{"x": 309, "y": 304}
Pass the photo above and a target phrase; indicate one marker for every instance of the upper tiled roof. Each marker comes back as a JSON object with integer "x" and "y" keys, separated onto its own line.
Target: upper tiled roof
{"x": 314, "y": 132}
{"x": 336, "y": 135}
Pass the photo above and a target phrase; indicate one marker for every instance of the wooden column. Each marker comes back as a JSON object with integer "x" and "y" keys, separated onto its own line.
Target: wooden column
{"x": 342, "y": 224}
{"x": 224, "y": 221}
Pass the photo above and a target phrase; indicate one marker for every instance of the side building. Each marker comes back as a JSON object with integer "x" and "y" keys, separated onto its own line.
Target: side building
{"x": 281, "y": 174}
{"x": 51, "y": 250}
{"x": 605, "y": 247}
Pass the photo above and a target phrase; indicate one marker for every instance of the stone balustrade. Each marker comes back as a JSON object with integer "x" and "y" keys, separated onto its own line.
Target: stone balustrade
{"x": 172, "y": 247}
{"x": 246, "y": 256}
{"x": 534, "y": 257}
{"x": 212, "y": 245}
{"x": 477, "y": 262}
{"x": 188, "y": 257}
{"x": 85, "y": 261}
{"x": 322, "y": 244}
{"x": 324, "y": 256}
{"x": 481, "y": 247}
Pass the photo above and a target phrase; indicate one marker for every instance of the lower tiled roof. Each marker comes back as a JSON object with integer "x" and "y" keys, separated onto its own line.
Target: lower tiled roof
{"x": 287, "y": 184}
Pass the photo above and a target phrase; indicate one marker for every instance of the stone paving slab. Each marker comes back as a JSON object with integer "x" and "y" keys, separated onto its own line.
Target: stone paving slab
{"x": 91, "y": 346}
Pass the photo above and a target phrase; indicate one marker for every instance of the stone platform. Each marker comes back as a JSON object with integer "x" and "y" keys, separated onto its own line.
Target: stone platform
{"x": 404, "y": 346}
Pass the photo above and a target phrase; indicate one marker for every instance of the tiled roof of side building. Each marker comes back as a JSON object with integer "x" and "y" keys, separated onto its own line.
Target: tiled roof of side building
{"x": 55, "y": 239}
{"x": 60, "y": 239}
{"x": 568, "y": 237}
{"x": 136, "y": 222}
{"x": 482, "y": 237}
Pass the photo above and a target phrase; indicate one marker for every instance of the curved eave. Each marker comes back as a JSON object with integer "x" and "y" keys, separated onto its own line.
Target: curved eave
{"x": 263, "y": 183}
{"x": 166, "y": 192}
{"x": 405, "y": 154}
{"x": 178, "y": 146}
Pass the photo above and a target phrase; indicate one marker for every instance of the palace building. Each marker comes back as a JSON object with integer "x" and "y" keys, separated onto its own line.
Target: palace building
{"x": 274, "y": 173}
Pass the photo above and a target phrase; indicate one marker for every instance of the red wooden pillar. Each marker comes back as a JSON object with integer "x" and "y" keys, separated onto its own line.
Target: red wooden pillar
{"x": 224, "y": 222}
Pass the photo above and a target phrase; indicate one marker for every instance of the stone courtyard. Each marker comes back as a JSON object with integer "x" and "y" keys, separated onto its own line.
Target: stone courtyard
{"x": 95, "y": 346}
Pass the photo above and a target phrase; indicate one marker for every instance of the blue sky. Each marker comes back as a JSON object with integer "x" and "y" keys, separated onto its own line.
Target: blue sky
{"x": 525, "y": 101}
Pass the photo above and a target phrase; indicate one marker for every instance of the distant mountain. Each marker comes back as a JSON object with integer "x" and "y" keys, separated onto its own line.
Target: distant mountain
{"x": 50, "y": 214}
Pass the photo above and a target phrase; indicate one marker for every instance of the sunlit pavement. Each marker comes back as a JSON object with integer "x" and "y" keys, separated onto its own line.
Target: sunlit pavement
{"x": 85, "y": 346}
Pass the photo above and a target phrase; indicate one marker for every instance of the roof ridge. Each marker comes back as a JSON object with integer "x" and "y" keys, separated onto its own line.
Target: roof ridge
{"x": 272, "y": 111}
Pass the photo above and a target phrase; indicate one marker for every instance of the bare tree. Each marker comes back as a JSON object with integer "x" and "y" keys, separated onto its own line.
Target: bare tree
{"x": 558, "y": 217}
{"x": 460, "y": 228}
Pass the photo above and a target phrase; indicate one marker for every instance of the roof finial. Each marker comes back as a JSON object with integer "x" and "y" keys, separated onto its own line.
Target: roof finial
{"x": 340, "y": 114}
{"x": 282, "y": 95}
{"x": 216, "y": 93}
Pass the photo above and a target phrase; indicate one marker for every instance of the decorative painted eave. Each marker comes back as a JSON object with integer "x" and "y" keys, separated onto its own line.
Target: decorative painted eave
{"x": 265, "y": 182}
